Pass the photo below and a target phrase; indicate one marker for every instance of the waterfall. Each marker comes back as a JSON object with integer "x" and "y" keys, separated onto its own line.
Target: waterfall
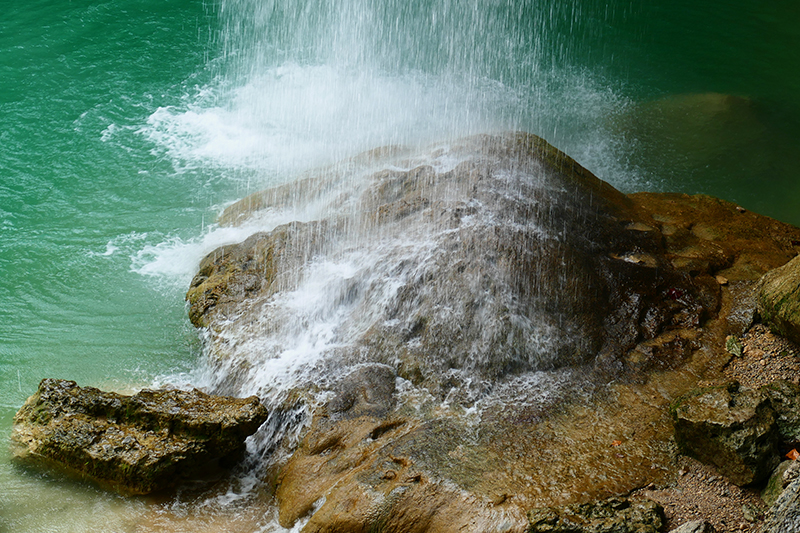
{"x": 299, "y": 90}
{"x": 301, "y": 84}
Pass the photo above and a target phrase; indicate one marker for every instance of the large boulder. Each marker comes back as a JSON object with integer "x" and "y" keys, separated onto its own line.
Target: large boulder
{"x": 785, "y": 401}
{"x": 498, "y": 255}
{"x": 134, "y": 444}
{"x": 480, "y": 328}
{"x": 734, "y": 430}
{"x": 779, "y": 299}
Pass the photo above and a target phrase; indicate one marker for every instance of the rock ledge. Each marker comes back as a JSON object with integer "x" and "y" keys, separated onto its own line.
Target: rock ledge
{"x": 134, "y": 444}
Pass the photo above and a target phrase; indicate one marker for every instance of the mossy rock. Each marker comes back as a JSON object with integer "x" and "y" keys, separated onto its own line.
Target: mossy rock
{"x": 133, "y": 444}
{"x": 615, "y": 515}
{"x": 779, "y": 299}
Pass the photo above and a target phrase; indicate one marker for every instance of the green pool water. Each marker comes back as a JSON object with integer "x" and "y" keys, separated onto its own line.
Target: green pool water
{"x": 128, "y": 124}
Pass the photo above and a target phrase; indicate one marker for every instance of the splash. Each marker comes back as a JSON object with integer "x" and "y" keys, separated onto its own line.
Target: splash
{"x": 302, "y": 87}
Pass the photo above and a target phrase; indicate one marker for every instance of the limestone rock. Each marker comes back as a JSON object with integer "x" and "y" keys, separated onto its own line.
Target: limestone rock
{"x": 784, "y": 515}
{"x": 487, "y": 292}
{"x": 775, "y": 484}
{"x": 779, "y": 299}
{"x": 734, "y": 430}
{"x": 134, "y": 444}
{"x": 695, "y": 526}
{"x": 368, "y": 390}
{"x": 784, "y": 398}
{"x": 615, "y": 515}
{"x": 522, "y": 261}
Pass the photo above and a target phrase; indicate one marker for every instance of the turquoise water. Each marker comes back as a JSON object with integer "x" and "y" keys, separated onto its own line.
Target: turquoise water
{"x": 128, "y": 125}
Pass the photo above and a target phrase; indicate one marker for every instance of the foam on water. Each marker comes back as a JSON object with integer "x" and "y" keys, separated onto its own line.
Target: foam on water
{"x": 295, "y": 117}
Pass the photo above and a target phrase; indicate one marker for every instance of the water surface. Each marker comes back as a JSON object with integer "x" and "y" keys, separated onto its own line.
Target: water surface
{"x": 128, "y": 125}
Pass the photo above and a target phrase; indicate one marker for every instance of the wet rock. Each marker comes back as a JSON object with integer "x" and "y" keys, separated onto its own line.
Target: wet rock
{"x": 135, "y": 444}
{"x": 521, "y": 260}
{"x": 614, "y": 515}
{"x": 734, "y": 430}
{"x": 369, "y": 470}
{"x": 368, "y": 390}
{"x": 779, "y": 299}
{"x": 695, "y": 526}
{"x": 521, "y": 306}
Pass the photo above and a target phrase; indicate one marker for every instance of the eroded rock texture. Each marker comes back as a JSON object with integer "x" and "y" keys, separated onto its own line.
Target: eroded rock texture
{"x": 734, "y": 430}
{"x": 135, "y": 444}
{"x": 615, "y": 515}
{"x": 504, "y": 330}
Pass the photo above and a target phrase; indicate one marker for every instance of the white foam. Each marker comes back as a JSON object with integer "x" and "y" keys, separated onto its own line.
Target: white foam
{"x": 293, "y": 117}
{"x": 177, "y": 259}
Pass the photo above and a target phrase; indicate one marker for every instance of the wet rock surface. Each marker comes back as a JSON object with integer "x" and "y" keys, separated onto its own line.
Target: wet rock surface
{"x": 529, "y": 263}
{"x": 134, "y": 444}
{"x": 537, "y": 324}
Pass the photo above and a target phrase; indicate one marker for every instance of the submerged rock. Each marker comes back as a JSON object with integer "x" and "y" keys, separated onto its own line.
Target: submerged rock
{"x": 135, "y": 444}
{"x": 696, "y": 137}
{"x": 492, "y": 329}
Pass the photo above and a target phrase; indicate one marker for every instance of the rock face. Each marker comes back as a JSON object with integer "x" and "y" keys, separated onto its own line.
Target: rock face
{"x": 510, "y": 258}
{"x": 776, "y": 484}
{"x": 695, "y": 526}
{"x": 779, "y": 299}
{"x": 529, "y": 262}
{"x": 738, "y": 430}
{"x": 459, "y": 315}
{"x": 784, "y": 398}
{"x": 734, "y": 430}
{"x": 784, "y": 515}
{"x": 135, "y": 444}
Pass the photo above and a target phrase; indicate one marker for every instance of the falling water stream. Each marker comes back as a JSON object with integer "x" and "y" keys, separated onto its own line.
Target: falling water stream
{"x": 129, "y": 126}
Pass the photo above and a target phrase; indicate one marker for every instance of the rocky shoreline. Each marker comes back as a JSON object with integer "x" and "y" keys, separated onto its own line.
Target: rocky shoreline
{"x": 523, "y": 345}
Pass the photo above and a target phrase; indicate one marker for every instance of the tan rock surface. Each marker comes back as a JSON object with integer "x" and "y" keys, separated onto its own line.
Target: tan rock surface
{"x": 633, "y": 283}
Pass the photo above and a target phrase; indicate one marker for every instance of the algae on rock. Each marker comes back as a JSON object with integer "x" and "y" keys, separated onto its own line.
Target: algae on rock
{"x": 134, "y": 444}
